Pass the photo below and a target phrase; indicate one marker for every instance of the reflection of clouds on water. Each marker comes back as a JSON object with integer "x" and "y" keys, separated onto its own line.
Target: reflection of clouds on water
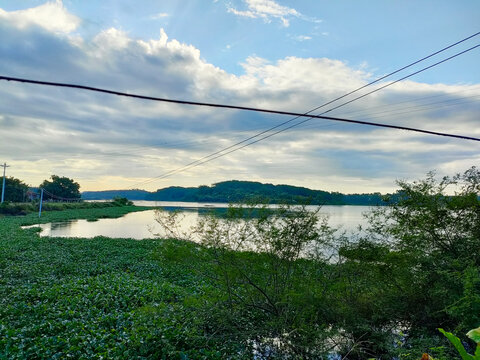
{"x": 142, "y": 225}
{"x": 61, "y": 226}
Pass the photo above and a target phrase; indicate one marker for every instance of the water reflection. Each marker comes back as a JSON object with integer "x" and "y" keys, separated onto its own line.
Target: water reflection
{"x": 61, "y": 225}
{"x": 142, "y": 225}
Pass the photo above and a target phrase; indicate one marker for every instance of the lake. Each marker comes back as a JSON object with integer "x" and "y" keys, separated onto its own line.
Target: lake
{"x": 142, "y": 224}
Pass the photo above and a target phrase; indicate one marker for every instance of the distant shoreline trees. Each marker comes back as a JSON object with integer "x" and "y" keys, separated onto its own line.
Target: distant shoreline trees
{"x": 15, "y": 189}
{"x": 60, "y": 188}
{"x": 237, "y": 191}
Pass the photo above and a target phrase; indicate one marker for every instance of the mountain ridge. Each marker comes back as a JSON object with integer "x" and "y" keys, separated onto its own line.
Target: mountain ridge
{"x": 241, "y": 191}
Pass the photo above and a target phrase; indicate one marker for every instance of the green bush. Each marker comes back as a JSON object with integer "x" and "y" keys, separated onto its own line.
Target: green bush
{"x": 121, "y": 201}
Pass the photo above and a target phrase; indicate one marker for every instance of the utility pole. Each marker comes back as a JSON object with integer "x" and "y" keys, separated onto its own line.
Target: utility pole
{"x": 3, "y": 187}
{"x": 41, "y": 202}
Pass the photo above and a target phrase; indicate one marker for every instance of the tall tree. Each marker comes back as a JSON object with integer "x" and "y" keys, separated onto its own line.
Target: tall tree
{"x": 15, "y": 189}
{"x": 60, "y": 188}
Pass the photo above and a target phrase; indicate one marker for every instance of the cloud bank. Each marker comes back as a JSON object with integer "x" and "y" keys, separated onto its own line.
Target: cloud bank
{"x": 51, "y": 16}
{"x": 107, "y": 142}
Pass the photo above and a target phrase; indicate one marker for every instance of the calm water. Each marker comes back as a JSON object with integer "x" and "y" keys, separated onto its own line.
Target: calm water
{"x": 142, "y": 225}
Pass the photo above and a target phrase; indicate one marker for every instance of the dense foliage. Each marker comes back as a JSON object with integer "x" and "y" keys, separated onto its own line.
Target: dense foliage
{"x": 92, "y": 299}
{"x": 235, "y": 191}
{"x": 60, "y": 188}
{"x": 417, "y": 267}
{"x": 26, "y": 208}
{"x": 15, "y": 189}
{"x": 473, "y": 334}
{"x": 310, "y": 293}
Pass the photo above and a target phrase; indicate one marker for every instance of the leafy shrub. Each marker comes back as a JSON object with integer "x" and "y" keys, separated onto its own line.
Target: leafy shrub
{"x": 270, "y": 269}
{"x": 472, "y": 334}
{"x": 8, "y": 208}
{"x": 121, "y": 201}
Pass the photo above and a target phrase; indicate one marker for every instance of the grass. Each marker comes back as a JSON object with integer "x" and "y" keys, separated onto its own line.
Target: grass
{"x": 98, "y": 298}
{"x": 106, "y": 298}
{"x": 90, "y": 214}
{"x": 8, "y": 208}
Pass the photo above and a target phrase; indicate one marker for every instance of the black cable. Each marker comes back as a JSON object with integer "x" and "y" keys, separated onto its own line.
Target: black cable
{"x": 403, "y": 78}
{"x": 297, "y": 115}
{"x": 219, "y": 152}
{"x": 279, "y": 112}
{"x": 364, "y": 112}
{"x": 236, "y": 107}
{"x": 218, "y": 155}
{"x": 246, "y": 108}
{"x": 411, "y": 100}
{"x": 59, "y": 197}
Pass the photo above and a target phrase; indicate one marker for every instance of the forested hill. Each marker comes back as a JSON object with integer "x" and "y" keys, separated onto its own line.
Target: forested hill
{"x": 240, "y": 191}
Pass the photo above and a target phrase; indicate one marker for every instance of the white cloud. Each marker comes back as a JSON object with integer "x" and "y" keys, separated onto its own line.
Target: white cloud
{"x": 266, "y": 10}
{"x": 121, "y": 141}
{"x": 111, "y": 39}
{"x": 302, "y": 37}
{"x": 51, "y": 16}
{"x": 305, "y": 75}
{"x": 159, "y": 16}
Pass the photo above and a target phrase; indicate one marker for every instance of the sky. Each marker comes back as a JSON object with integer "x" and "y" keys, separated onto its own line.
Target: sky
{"x": 276, "y": 54}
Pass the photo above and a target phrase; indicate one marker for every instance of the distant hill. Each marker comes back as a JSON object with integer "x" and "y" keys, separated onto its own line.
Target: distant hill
{"x": 241, "y": 191}
{"x": 110, "y": 194}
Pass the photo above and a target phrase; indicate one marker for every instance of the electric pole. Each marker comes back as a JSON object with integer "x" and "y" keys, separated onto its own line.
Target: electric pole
{"x": 3, "y": 187}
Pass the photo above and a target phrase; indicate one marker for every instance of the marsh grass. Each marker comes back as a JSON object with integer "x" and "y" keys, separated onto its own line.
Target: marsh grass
{"x": 13, "y": 208}
{"x": 94, "y": 298}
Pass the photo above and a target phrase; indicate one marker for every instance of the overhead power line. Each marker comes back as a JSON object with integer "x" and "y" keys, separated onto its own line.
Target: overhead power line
{"x": 392, "y": 73}
{"x": 296, "y": 115}
{"x": 208, "y": 141}
{"x": 59, "y": 197}
{"x": 200, "y": 161}
{"x": 221, "y": 153}
{"x": 232, "y": 148}
{"x": 270, "y": 111}
{"x": 412, "y": 100}
{"x": 247, "y": 108}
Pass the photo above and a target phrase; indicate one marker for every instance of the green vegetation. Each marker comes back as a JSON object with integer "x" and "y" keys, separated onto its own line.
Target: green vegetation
{"x": 8, "y": 208}
{"x": 473, "y": 334}
{"x": 276, "y": 299}
{"x": 60, "y": 187}
{"x": 15, "y": 189}
{"x": 235, "y": 191}
{"x": 308, "y": 293}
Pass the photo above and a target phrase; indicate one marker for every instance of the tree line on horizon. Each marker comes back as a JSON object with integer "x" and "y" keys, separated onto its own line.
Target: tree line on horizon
{"x": 57, "y": 188}
{"x": 235, "y": 191}
{"x": 290, "y": 286}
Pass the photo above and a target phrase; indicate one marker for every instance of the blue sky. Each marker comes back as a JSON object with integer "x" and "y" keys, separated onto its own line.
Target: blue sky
{"x": 287, "y": 55}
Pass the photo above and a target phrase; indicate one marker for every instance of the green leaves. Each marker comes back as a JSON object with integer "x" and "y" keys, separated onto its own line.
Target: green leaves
{"x": 265, "y": 281}
{"x": 474, "y": 334}
{"x": 458, "y": 345}
{"x": 84, "y": 298}
{"x": 15, "y": 189}
{"x": 61, "y": 187}
{"x": 384, "y": 297}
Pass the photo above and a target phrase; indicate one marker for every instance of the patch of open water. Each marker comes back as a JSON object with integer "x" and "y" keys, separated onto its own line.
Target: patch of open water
{"x": 142, "y": 225}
